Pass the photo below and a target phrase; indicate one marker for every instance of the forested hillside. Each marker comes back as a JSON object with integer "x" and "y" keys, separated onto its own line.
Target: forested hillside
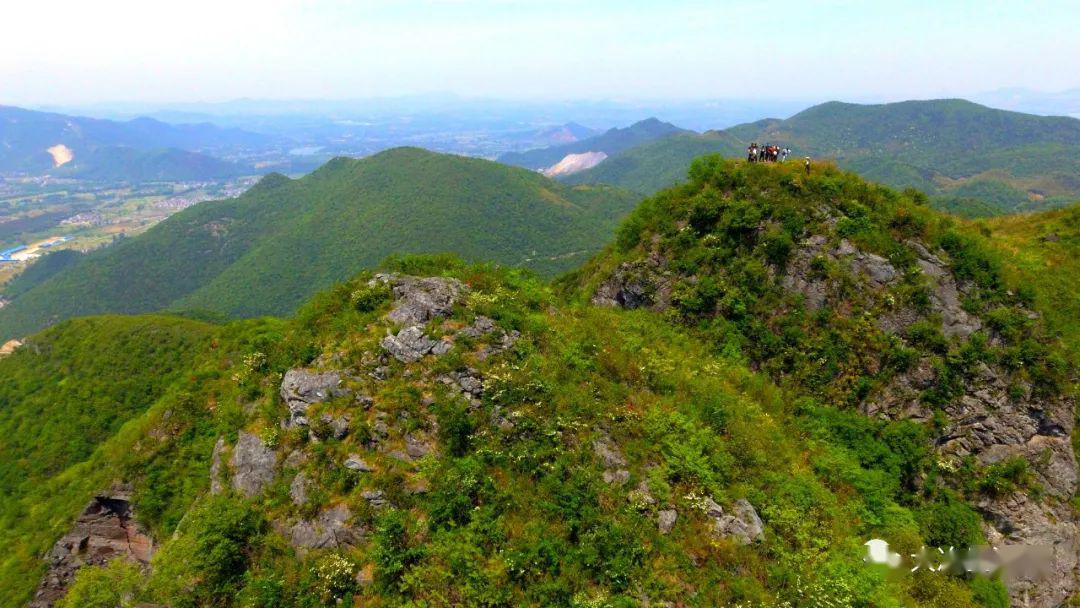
{"x": 449, "y": 434}
{"x": 272, "y": 248}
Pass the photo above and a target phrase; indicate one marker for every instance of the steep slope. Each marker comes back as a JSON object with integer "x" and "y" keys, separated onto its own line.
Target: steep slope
{"x": 1042, "y": 256}
{"x": 861, "y": 299}
{"x": 466, "y": 439}
{"x": 270, "y": 249}
{"x": 610, "y": 142}
{"x": 26, "y": 137}
{"x": 658, "y": 164}
{"x": 940, "y": 147}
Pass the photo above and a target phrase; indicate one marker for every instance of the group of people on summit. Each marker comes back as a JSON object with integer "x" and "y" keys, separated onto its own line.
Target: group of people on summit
{"x": 767, "y": 153}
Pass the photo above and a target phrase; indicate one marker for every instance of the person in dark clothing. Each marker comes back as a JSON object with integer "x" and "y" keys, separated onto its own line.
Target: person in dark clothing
{"x": 751, "y": 152}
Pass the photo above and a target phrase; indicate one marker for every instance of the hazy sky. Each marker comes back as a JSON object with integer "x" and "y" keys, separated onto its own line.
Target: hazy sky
{"x": 64, "y": 52}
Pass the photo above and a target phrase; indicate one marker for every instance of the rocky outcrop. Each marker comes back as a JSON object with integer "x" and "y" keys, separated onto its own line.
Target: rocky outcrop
{"x": 665, "y": 520}
{"x": 301, "y": 388}
{"x": 635, "y": 285}
{"x": 614, "y": 463}
{"x": 411, "y": 344}
{"x": 104, "y": 531}
{"x": 254, "y": 465}
{"x": 743, "y": 525}
{"x": 419, "y": 300}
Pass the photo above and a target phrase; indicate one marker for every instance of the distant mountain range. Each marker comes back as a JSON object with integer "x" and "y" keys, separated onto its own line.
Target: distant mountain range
{"x": 39, "y": 143}
{"x": 611, "y": 143}
{"x": 971, "y": 159}
{"x": 270, "y": 249}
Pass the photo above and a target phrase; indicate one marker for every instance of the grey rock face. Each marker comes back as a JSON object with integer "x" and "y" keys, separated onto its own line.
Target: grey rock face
{"x": 106, "y": 530}
{"x": 254, "y": 465}
{"x": 744, "y": 525}
{"x": 989, "y": 423}
{"x": 419, "y": 300}
{"x": 330, "y": 530}
{"x": 665, "y": 520}
{"x": 301, "y": 388}
{"x": 410, "y": 345}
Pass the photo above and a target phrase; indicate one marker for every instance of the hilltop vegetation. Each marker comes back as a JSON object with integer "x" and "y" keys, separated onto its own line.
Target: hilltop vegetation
{"x": 941, "y": 147}
{"x": 273, "y": 247}
{"x": 970, "y": 160}
{"x": 862, "y": 298}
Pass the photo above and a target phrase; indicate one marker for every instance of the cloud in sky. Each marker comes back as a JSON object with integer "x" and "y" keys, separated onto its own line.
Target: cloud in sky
{"x": 78, "y": 51}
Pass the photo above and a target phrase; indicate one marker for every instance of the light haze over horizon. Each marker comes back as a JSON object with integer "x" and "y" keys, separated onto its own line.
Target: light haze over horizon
{"x": 71, "y": 53}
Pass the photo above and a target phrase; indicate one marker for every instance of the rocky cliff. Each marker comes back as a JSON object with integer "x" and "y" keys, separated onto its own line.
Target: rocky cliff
{"x": 854, "y": 296}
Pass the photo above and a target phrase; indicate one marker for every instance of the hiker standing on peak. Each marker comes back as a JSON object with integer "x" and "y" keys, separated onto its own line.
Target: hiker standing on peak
{"x": 751, "y": 153}
{"x": 806, "y": 165}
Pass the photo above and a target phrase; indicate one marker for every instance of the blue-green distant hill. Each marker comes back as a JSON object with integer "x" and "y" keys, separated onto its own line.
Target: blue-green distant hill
{"x": 272, "y": 248}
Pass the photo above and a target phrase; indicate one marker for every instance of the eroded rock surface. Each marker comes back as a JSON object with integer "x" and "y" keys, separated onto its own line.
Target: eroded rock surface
{"x": 410, "y": 344}
{"x": 329, "y": 530}
{"x": 106, "y": 530}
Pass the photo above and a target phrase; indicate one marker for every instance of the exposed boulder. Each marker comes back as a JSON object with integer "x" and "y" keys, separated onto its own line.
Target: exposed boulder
{"x": 254, "y": 465}
{"x": 417, "y": 446}
{"x": 419, "y": 300}
{"x": 744, "y": 525}
{"x": 375, "y": 498}
{"x": 301, "y": 388}
{"x": 665, "y": 520}
{"x": 106, "y": 530}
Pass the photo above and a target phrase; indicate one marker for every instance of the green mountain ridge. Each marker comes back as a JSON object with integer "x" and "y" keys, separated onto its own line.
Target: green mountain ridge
{"x": 269, "y": 250}
{"x": 972, "y": 160}
{"x": 446, "y": 434}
